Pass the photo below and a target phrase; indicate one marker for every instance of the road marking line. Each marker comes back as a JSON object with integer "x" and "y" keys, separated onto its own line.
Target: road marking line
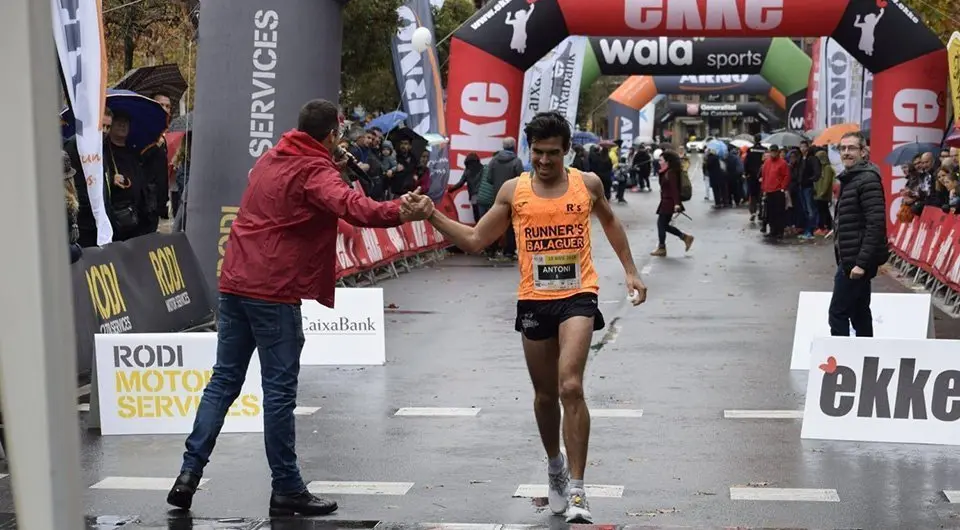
{"x": 540, "y": 490}
{"x": 953, "y": 496}
{"x": 784, "y": 494}
{"x": 763, "y": 414}
{"x": 616, "y": 413}
{"x": 138, "y": 483}
{"x": 3, "y": 475}
{"x": 83, "y": 407}
{"x": 437, "y": 411}
{"x": 83, "y": 391}
{"x": 359, "y": 488}
{"x": 462, "y": 526}
{"x": 305, "y": 411}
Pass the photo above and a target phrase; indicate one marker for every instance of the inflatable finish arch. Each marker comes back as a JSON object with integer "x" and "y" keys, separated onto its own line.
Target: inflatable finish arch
{"x": 778, "y": 60}
{"x": 490, "y": 53}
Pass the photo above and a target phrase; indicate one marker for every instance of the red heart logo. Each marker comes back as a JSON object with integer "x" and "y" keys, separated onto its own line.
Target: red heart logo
{"x": 830, "y": 366}
{"x": 881, "y": 3}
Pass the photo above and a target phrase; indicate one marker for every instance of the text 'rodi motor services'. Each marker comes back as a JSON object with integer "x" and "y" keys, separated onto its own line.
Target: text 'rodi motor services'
{"x": 151, "y": 381}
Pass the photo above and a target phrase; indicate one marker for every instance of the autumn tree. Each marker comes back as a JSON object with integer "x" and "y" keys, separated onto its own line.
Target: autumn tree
{"x": 941, "y": 16}
{"x": 446, "y": 20}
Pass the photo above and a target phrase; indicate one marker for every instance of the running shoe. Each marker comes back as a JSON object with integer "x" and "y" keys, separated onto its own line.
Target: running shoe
{"x": 557, "y": 490}
{"x": 578, "y": 509}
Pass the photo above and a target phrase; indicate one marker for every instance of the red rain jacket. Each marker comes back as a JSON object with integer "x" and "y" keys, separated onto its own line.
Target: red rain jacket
{"x": 282, "y": 245}
{"x": 775, "y": 174}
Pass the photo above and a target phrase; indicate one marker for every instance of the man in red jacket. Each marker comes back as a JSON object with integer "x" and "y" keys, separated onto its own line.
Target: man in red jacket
{"x": 282, "y": 249}
{"x": 774, "y": 181}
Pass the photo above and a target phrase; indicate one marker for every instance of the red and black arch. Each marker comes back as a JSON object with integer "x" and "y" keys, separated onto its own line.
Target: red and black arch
{"x": 490, "y": 53}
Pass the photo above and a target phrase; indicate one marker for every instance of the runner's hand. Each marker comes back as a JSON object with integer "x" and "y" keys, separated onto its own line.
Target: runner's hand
{"x": 415, "y": 207}
{"x": 634, "y": 284}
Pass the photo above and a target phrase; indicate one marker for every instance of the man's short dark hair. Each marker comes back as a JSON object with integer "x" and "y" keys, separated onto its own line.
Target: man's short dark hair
{"x": 160, "y": 93}
{"x": 861, "y": 141}
{"x": 550, "y": 124}
{"x": 319, "y": 118}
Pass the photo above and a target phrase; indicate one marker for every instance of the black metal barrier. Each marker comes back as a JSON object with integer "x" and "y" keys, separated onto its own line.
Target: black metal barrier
{"x": 149, "y": 284}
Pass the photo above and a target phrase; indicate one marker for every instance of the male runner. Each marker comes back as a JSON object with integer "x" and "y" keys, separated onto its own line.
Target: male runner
{"x": 557, "y": 311}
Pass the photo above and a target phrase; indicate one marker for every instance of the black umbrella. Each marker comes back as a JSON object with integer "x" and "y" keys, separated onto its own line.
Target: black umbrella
{"x": 418, "y": 143}
{"x": 147, "y": 80}
{"x": 907, "y": 152}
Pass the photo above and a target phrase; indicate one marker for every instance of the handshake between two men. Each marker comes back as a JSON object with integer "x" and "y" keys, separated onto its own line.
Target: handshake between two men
{"x": 415, "y": 206}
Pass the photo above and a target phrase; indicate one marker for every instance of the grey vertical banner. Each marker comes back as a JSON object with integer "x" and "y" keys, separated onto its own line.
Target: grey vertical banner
{"x": 418, "y": 74}
{"x": 623, "y": 122}
{"x": 259, "y": 62}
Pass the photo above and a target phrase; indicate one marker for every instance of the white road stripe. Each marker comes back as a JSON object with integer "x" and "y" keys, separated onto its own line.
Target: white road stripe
{"x": 463, "y": 526}
{"x": 321, "y": 487}
{"x": 616, "y": 413}
{"x": 540, "y": 490}
{"x": 3, "y": 475}
{"x": 437, "y": 411}
{"x": 83, "y": 391}
{"x": 138, "y": 483}
{"x": 305, "y": 411}
{"x": 83, "y": 407}
{"x": 953, "y": 496}
{"x": 763, "y": 414}
{"x": 784, "y": 494}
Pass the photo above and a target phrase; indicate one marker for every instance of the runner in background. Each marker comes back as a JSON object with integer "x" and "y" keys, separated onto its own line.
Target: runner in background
{"x": 557, "y": 310}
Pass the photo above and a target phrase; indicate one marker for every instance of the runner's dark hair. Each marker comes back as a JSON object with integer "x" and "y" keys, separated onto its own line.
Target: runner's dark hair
{"x": 318, "y": 118}
{"x": 549, "y": 124}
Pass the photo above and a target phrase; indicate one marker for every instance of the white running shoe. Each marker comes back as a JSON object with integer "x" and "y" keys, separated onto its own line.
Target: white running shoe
{"x": 578, "y": 509}
{"x": 558, "y": 489}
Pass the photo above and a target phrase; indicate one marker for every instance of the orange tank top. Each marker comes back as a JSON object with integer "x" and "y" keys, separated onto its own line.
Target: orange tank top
{"x": 553, "y": 240}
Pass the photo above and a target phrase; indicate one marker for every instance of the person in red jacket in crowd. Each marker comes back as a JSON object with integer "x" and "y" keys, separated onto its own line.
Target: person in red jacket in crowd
{"x": 281, "y": 249}
{"x": 774, "y": 182}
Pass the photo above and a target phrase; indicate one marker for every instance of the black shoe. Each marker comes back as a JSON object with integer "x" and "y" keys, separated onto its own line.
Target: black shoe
{"x": 181, "y": 494}
{"x": 303, "y": 503}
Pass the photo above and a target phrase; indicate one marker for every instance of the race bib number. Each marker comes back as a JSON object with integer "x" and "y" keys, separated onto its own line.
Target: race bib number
{"x": 556, "y": 272}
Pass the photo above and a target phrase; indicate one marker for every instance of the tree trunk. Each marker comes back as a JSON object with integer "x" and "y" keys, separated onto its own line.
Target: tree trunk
{"x": 129, "y": 46}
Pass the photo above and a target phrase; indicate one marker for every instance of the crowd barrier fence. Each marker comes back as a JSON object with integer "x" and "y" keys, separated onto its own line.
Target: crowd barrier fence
{"x": 154, "y": 284}
{"x": 927, "y": 250}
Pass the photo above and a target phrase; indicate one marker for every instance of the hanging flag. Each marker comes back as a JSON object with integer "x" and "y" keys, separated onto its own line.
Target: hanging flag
{"x": 810, "y": 121}
{"x": 645, "y": 122}
{"x": 553, "y": 83}
{"x": 418, "y": 74}
{"x": 841, "y": 86}
{"x": 78, "y": 32}
{"x": 953, "y": 56}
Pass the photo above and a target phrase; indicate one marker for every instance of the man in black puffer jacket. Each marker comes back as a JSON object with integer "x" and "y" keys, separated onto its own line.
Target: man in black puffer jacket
{"x": 860, "y": 245}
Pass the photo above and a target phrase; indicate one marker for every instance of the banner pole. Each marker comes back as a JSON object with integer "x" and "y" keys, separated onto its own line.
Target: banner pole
{"x": 38, "y": 351}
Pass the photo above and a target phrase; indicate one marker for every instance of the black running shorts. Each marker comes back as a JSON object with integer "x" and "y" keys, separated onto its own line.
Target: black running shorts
{"x": 540, "y": 319}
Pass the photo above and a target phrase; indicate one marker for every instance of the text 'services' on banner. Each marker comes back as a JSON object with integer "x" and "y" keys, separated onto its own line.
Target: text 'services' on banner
{"x": 151, "y": 383}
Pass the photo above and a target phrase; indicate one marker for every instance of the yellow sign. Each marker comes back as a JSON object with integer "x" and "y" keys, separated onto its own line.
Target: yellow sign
{"x": 953, "y": 55}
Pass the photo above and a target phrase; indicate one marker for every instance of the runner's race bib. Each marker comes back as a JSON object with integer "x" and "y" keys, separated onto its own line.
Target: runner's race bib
{"x": 556, "y": 272}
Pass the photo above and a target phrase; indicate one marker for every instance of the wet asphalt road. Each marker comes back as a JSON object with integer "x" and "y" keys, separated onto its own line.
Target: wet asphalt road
{"x": 715, "y": 334}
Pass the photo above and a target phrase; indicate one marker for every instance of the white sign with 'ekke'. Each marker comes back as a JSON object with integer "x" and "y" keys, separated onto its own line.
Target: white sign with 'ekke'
{"x": 883, "y": 390}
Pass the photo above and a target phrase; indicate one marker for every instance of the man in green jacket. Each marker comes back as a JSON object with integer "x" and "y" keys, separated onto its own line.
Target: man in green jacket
{"x": 823, "y": 193}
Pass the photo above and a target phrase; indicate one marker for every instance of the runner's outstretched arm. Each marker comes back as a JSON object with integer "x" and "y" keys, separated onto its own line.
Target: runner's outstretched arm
{"x": 472, "y": 239}
{"x": 617, "y": 237}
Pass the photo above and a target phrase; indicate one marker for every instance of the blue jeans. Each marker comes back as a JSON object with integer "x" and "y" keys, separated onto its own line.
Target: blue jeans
{"x": 810, "y": 209}
{"x": 850, "y": 305}
{"x": 276, "y": 331}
